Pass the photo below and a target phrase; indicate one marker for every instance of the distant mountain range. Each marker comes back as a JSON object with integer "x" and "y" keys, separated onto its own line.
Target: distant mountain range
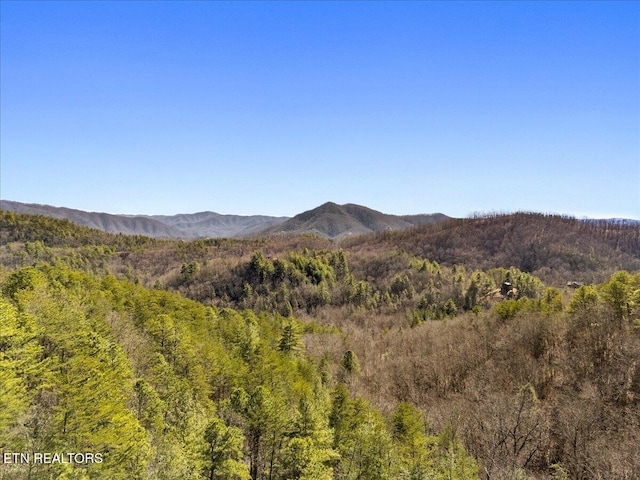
{"x": 127, "y": 224}
{"x": 328, "y": 220}
{"x": 213, "y": 225}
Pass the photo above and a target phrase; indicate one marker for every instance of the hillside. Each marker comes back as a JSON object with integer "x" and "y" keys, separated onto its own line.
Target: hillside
{"x": 557, "y": 248}
{"x": 339, "y": 221}
{"x": 424, "y": 353}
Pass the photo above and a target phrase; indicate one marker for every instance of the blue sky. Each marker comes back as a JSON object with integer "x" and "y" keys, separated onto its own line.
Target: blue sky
{"x": 276, "y": 107}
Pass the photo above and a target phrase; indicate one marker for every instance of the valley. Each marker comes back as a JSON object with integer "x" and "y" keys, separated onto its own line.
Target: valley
{"x": 456, "y": 348}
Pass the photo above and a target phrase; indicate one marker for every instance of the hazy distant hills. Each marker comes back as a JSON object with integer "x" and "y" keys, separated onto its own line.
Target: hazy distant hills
{"x": 196, "y": 225}
{"x": 328, "y": 220}
{"x": 211, "y": 224}
{"x": 130, "y": 225}
{"x": 337, "y": 221}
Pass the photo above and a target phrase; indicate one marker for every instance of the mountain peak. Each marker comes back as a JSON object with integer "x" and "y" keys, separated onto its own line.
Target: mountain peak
{"x": 328, "y": 208}
{"x": 338, "y": 221}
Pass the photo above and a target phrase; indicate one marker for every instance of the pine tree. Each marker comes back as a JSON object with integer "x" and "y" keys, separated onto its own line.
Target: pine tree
{"x": 290, "y": 338}
{"x": 19, "y": 367}
{"x": 224, "y": 452}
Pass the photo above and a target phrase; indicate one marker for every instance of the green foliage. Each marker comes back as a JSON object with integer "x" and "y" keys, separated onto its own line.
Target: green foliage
{"x": 170, "y": 388}
{"x": 290, "y": 339}
{"x": 584, "y": 301}
{"x": 401, "y": 287}
{"x": 340, "y": 264}
{"x": 508, "y": 309}
{"x": 361, "y": 438}
{"x": 432, "y": 311}
{"x": 551, "y": 301}
{"x": 523, "y": 284}
{"x": 20, "y": 368}
{"x": 78, "y": 394}
{"x": 219, "y": 393}
{"x": 453, "y": 461}
{"x": 261, "y": 267}
{"x": 304, "y": 460}
{"x": 26, "y": 279}
{"x": 224, "y": 452}
{"x": 150, "y": 408}
{"x": 188, "y": 271}
{"x": 559, "y": 472}
{"x": 479, "y": 286}
{"x": 264, "y": 418}
{"x": 617, "y": 293}
{"x": 415, "y": 447}
{"x": 362, "y": 295}
{"x": 350, "y": 363}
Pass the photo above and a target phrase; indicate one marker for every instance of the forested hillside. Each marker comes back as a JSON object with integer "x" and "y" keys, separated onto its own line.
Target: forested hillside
{"x": 556, "y": 248}
{"x": 454, "y": 350}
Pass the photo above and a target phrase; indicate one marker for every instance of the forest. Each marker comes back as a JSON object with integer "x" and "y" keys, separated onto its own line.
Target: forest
{"x": 492, "y": 347}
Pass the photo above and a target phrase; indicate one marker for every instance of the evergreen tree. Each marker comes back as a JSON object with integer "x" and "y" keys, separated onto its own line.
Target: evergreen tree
{"x": 20, "y": 369}
{"x": 350, "y": 363}
{"x": 290, "y": 338}
{"x": 414, "y": 447}
{"x": 224, "y": 452}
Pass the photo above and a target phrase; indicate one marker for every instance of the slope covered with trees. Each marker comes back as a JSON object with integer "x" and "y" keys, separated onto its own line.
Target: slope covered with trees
{"x": 300, "y": 358}
{"x": 554, "y": 247}
{"x": 164, "y": 387}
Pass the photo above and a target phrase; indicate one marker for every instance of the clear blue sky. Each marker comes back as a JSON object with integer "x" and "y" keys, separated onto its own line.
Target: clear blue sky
{"x": 275, "y": 108}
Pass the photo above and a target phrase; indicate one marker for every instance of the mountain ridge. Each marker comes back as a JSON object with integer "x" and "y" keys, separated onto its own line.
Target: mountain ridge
{"x": 180, "y": 226}
{"x": 339, "y": 221}
{"x": 111, "y": 223}
{"x": 329, "y": 220}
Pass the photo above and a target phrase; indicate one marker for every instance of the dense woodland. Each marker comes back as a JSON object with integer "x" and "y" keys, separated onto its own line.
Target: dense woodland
{"x": 495, "y": 347}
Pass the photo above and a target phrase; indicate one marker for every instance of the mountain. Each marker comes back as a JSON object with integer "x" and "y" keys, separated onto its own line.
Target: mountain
{"x": 127, "y": 224}
{"x": 339, "y": 221}
{"x": 196, "y": 225}
{"x": 211, "y": 224}
{"x": 329, "y": 220}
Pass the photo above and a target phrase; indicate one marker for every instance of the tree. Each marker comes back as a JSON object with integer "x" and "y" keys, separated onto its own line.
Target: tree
{"x": 350, "y": 366}
{"x": 290, "y": 338}
{"x": 150, "y": 408}
{"x": 264, "y": 417}
{"x": 305, "y": 459}
{"x": 453, "y": 462}
{"x": 414, "y": 446}
{"x": 551, "y": 301}
{"x": 224, "y": 452}
{"x": 584, "y": 301}
{"x": 617, "y": 294}
{"x": 361, "y": 439}
{"x": 19, "y": 367}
